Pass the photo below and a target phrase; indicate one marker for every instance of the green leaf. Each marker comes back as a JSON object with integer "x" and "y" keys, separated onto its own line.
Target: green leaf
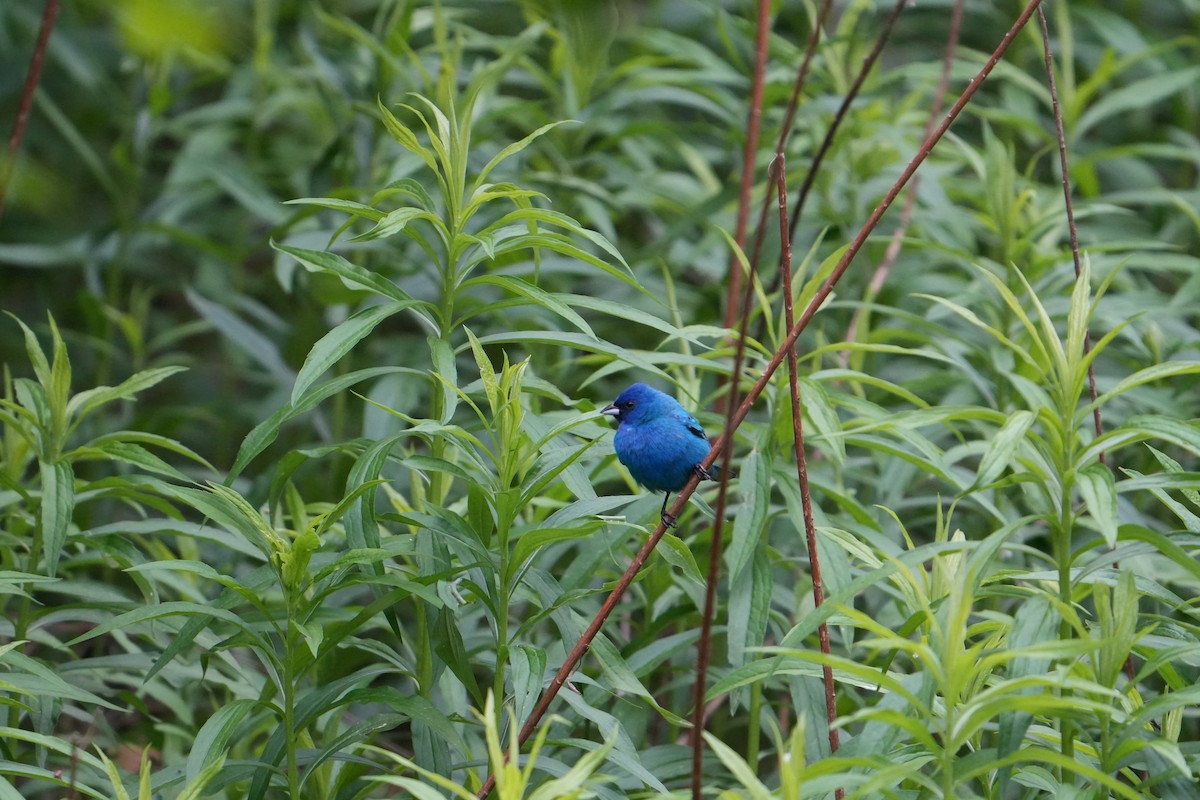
{"x": 406, "y": 187}
{"x": 404, "y": 135}
{"x": 196, "y": 787}
{"x": 826, "y": 428}
{"x": 256, "y": 583}
{"x": 971, "y": 317}
{"x": 676, "y": 553}
{"x": 110, "y": 771}
{"x": 212, "y": 740}
{"x": 1157, "y": 372}
{"x": 242, "y": 335}
{"x": 396, "y": 221}
{"x": 130, "y": 453}
{"x": 737, "y": 766}
{"x": 513, "y": 149}
{"x": 168, "y": 609}
{"x": 226, "y": 507}
{"x": 578, "y": 778}
{"x": 1163, "y": 544}
{"x": 58, "y": 506}
{"x": 333, "y": 203}
{"x": 152, "y": 439}
{"x": 28, "y": 676}
{"x": 1034, "y": 622}
{"x": 1141, "y": 428}
{"x": 530, "y": 542}
{"x": 265, "y": 432}
{"x": 88, "y": 401}
{"x": 1117, "y": 613}
{"x": 1099, "y": 492}
{"x": 1078, "y": 315}
{"x": 536, "y": 295}
{"x": 749, "y": 524}
{"x": 749, "y": 607}
{"x": 554, "y": 462}
{"x": 339, "y": 341}
{"x": 646, "y": 362}
{"x": 361, "y": 527}
{"x": 528, "y": 664}
{"x": 1140, "y": 94}
{"x": 632, "y": 314}
{"x": 354, "y": 276}
{"x": 445, "y": 367}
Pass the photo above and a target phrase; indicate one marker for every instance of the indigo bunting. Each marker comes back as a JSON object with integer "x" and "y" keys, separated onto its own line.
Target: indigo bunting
{"x": 659, "y": 442}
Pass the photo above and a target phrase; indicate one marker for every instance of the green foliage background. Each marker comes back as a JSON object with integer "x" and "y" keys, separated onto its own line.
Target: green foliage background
{"x": 367, "y": 269}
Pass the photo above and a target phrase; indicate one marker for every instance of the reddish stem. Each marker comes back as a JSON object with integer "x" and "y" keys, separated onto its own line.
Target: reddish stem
{"x": 1066, "y": 184}
{"x": 753, "y": 125}
{"x": 49, "y": 12}
{"x": 910, "y": 197}
{"x": 1074, "y": 234}
{"x": 789, "y": 117}
{"x": 704, "y": 644}
{"x": 810, "y": 528}
{"x": 843, "y": 109}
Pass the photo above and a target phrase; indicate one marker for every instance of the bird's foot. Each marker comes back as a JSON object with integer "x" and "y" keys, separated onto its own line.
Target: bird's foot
{"x": 669, "y": 520}
{"x": 705, "y": 475}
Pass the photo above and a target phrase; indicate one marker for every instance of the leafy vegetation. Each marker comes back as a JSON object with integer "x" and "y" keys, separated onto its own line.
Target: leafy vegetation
{"x": 302, "y": 489}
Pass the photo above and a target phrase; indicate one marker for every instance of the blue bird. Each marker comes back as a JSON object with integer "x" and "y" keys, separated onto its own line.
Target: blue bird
{"x": 659, "y": 442}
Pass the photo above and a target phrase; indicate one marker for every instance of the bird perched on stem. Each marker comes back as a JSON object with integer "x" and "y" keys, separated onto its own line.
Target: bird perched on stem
{"x": 659, "y": 442}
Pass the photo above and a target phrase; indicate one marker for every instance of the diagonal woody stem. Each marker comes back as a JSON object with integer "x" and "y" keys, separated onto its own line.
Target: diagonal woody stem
{"x": 843, "y": 109}
{"x": 910, "y": 198}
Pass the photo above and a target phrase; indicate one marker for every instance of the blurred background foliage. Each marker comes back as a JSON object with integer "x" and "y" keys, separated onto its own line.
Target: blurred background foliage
{"x": 166, "y": 140}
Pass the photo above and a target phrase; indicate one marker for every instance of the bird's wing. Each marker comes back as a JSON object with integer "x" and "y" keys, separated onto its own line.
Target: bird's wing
{"x": 691, "y": 424}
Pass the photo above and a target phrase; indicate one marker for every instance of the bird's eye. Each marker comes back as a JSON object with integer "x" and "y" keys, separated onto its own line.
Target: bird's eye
{"x": 628, "y": 404}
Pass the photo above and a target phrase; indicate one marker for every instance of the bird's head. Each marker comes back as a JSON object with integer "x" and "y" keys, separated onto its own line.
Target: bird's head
{"x": 638, "y": 402}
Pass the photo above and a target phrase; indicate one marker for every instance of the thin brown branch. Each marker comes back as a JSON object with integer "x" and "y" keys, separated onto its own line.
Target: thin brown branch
{"x": 753, "y": 125}
{"x": 867, "y": 65}
{"x": 810, "y": 528}
{"x": 1073, "y": 232}
{"x": 728, "y": 403}
{"x": 830, "y": 134}
{"x": 49, "y": 12}
{"x": 910, "y": 198}
{"x": 789, "y": 118}
{"x": 860, "y": 238}
{"x": 1066, "y": 184}
{"x": 743, "y": 409}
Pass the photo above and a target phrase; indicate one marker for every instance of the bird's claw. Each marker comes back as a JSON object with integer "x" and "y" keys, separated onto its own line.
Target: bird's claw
{"x": 669, "y": 520}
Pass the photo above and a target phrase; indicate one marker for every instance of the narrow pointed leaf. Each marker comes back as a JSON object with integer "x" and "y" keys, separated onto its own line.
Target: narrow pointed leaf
{"x": 341, "y": 340}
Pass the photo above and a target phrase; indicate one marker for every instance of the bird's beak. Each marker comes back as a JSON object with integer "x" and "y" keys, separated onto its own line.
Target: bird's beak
{"x": 610, "y": 410}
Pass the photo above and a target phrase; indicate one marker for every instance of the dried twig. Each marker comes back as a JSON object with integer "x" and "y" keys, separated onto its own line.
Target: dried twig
{"x": 49, "y": 12}
{"x": 789, "y": 117}
{"x": 867, "y": 65}
{"x": 910, "y": 197}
